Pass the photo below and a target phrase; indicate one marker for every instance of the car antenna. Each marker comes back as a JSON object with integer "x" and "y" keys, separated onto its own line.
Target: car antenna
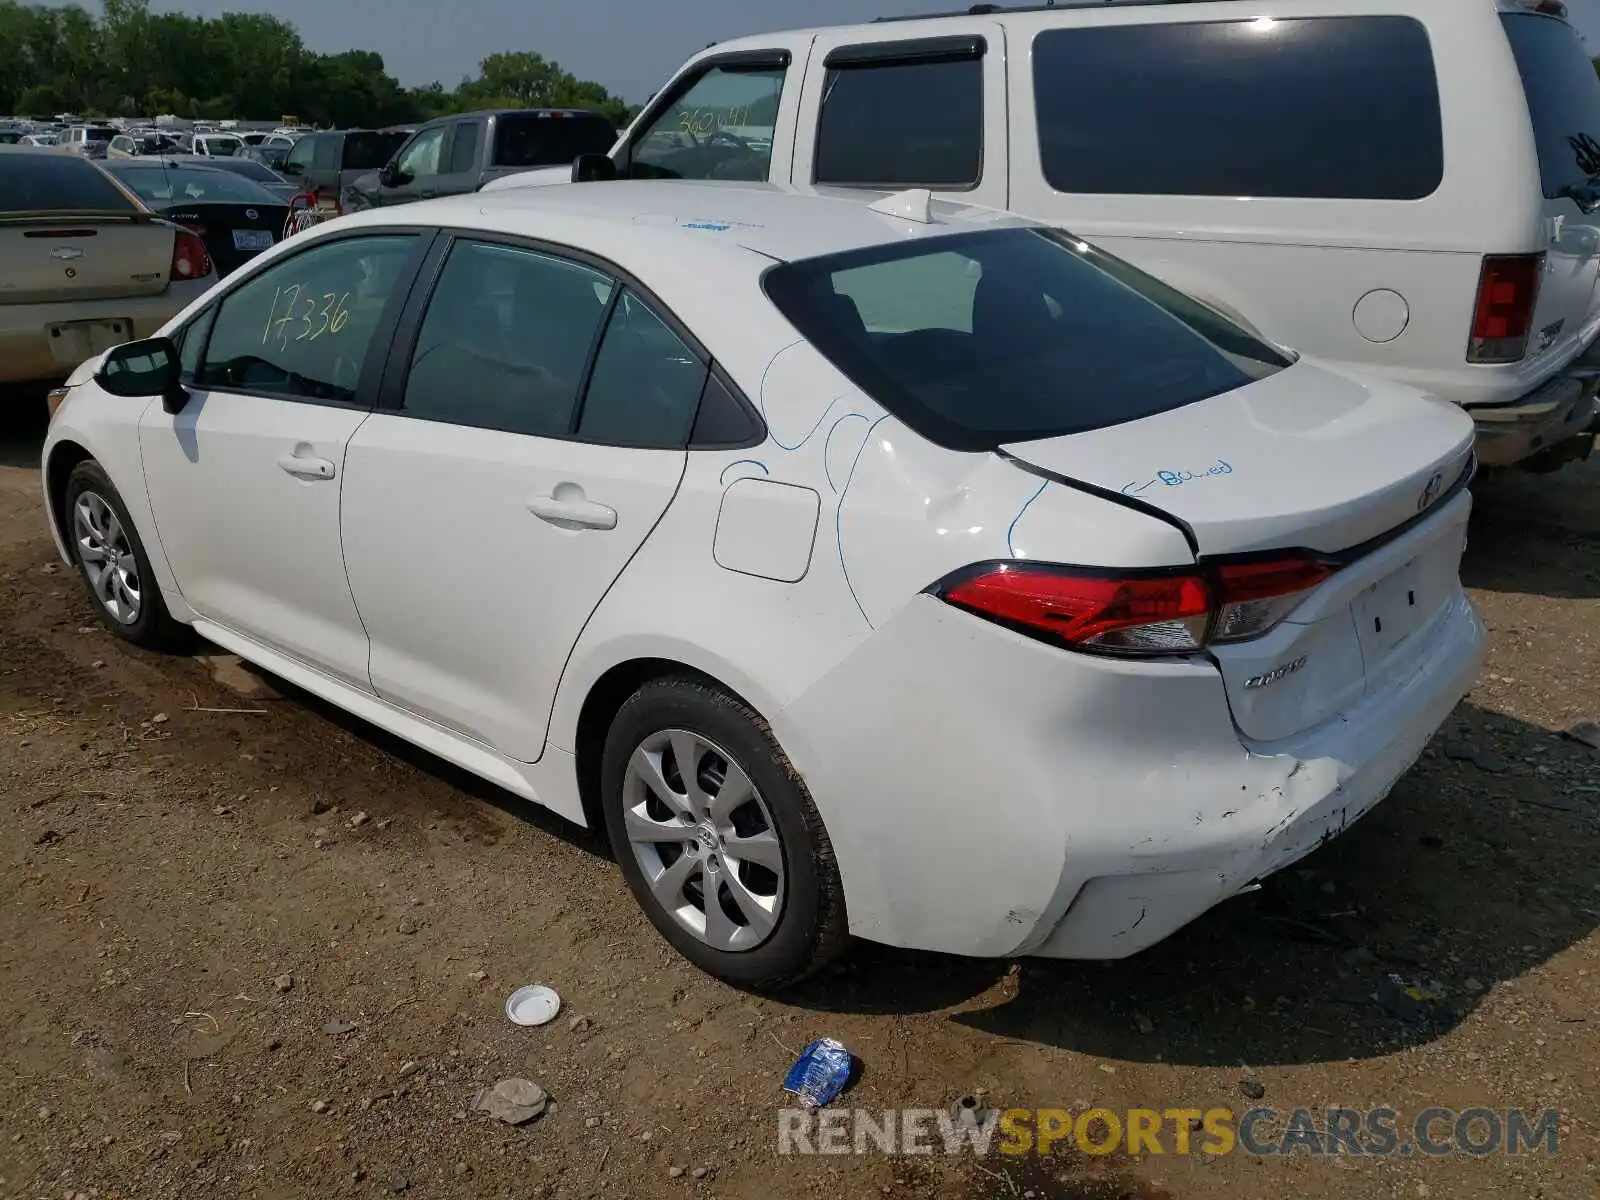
{"x": 914, "y": 204}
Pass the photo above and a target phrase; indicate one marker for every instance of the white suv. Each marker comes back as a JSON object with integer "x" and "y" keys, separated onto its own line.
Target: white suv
{"x": 1399, "y": 185}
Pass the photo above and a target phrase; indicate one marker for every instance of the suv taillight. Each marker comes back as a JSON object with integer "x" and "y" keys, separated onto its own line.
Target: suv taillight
{"x": 1508, "y": 290}
{"x": 189, "y": 257}
{"x": 1137, "y": 612}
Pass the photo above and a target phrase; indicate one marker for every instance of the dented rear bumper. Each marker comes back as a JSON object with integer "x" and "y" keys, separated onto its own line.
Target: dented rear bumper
{"x": 1316, "y": 786}
{"x": 990, "y": 795}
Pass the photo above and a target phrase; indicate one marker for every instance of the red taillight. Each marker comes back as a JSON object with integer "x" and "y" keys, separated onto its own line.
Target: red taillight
{"x": 1508, "y": 290}
{"x": 189, "y": 257}
{"x": 1137, "y": 612}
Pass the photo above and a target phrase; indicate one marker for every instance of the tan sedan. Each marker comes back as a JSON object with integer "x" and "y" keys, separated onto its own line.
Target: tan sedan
{"x": 84, "y": 265}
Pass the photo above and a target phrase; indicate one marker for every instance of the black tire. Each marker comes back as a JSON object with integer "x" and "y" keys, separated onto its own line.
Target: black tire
{"x": 811, "y": 927}
{"x": 152, "y": 627}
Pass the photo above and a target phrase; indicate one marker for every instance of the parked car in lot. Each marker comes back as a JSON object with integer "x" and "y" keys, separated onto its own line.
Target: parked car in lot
{"x": 782, "y": 567}
{"x": 326, "y": 164}
{"x": 84, "y": 264}
{"x": 1408, "y": 192}
{"x": 461, "y": 153}
{"x": 270, "y": 157}
{"x": 212, "y": 145}
{"x": 235, "y": 217}
{"x": 90, "y": 141}
{"x": 245, "y": 168}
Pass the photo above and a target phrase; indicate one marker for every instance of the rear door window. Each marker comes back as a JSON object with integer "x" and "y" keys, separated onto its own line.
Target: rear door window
{"x": 1563, "y": 100}
{"x": 975, "y": 340}
{"x": 58, "y": 183}
{"x": 464, "y": 148}
{"x": 549, "y": 139}
{"x": 913, "y": 120}
{"x": 506, "y": 340}
{"x": 1324, "y": 107}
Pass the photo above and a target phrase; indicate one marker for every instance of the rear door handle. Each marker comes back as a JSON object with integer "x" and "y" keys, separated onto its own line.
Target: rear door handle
{"x": 573, "y": 514}
{"x": 306, "y": 468}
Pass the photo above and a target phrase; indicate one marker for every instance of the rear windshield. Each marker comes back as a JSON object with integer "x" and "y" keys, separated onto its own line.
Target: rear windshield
{"x": 51, "y": 181}
{"x": 161, "y": 187}
{"x": 222, "y": 146}
{"x": 980, "y": 339}
{"x": 248, "y": 168}
{"x": 1316, "y": 107}
{"x": 99, "y": 133}
{"x": 370, "y": 150}
{"x": 548, "y": 140}
{"x": 1563, "y": 99}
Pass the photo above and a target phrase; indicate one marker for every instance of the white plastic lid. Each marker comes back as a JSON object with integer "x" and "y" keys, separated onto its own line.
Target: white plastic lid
{"x": 533, "y": 1004}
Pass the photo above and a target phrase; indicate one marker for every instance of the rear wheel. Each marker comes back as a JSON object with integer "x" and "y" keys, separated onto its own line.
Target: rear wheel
{"x": 718, "y": 837}
{"x": 112, "y": 560}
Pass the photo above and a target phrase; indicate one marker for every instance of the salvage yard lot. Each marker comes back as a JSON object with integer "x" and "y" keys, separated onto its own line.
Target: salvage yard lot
{"x": 165, "y": 865}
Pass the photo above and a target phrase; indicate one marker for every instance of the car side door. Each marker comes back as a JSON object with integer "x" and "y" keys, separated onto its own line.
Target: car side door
{"x": 530, "y": 435}
{"x": 415, "y": 171}
{"x": 244, "y": 481}
{"x": 726, "y": 116}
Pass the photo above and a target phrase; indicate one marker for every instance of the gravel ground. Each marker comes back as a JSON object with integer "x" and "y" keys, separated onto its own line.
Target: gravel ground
{"x": 265, "y": 953}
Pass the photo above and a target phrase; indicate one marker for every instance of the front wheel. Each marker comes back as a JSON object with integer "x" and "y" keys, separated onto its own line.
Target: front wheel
{"x": 718, "y": 838}
{"x": 112, "y": 560}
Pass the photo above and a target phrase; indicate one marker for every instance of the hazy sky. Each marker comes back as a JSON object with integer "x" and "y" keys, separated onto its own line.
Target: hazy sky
{"x": 630, "y": 46}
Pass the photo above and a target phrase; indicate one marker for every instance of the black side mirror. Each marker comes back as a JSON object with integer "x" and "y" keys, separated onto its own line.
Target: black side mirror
{"x": 289, "y": 168}
{"x": 147, "y": 368}
{"x": 392, "y": 176}
{"x": 593, "y": 168}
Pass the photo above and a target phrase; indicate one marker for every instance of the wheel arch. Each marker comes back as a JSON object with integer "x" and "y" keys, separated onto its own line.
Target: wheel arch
{"x": 601, "y": 703}
{"x": 64, "y": 456}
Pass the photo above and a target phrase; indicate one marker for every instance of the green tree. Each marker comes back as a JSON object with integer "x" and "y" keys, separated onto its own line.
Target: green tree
{"x": 131, "y": 61}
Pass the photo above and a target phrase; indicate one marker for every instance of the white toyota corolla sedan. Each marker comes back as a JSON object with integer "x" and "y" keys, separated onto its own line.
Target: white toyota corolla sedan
{"x": 906, "y": 570}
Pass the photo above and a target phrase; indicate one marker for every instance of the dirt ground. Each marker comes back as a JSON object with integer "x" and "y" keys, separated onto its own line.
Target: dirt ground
{"x": 162, "y": 866}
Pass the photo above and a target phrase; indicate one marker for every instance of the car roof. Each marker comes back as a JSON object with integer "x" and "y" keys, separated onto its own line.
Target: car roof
{"x": 685, "y": 218}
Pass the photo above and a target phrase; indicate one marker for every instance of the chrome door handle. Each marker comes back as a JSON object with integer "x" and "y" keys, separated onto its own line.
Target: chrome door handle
{"x": 573, "y": 514}
{"x": 306, "y": 468}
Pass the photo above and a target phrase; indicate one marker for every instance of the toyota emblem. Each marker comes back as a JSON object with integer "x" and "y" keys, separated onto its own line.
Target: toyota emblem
{"x": 251, "y": 214}
{"x": 66, "y": 253}
{"x": 1430, "y": 490}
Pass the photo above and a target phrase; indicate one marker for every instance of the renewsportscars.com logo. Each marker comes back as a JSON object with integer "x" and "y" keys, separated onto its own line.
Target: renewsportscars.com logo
{"x": 1265, "y": 1132}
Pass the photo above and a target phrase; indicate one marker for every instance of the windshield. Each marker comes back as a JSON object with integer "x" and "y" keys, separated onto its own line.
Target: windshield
{"x": 979, "y": 339}
{"x": 369, "y": 150}
{"x": 1563, "y": 99}
{"x": 161, "y": 186}
{"x": 55, "y": 182}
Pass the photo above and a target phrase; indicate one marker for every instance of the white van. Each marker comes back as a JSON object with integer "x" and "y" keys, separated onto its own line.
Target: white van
{"x": 1406, "y": 186}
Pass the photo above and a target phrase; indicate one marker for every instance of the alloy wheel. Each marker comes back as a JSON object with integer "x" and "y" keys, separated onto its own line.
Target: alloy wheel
{"x": 704, "y": 839}
{"x": 107, "y": 556}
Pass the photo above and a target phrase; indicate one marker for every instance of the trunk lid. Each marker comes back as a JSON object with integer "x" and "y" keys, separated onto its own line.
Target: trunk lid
{"x": 234, "y": 233}
{"x": 1303, "y": 460}
{"x": 1563, "y": 95}
{"x": 54, "y": 257}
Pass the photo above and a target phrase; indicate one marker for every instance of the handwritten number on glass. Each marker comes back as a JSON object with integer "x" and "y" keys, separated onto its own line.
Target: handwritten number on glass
{"x": 333, "y": 315}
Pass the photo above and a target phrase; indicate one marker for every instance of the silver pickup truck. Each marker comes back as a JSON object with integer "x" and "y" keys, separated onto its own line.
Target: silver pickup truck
{"x": 458, "y": 154}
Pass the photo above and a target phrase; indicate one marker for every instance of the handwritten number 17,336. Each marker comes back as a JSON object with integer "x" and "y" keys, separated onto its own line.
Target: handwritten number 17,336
{"x": 330, "y": 318}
